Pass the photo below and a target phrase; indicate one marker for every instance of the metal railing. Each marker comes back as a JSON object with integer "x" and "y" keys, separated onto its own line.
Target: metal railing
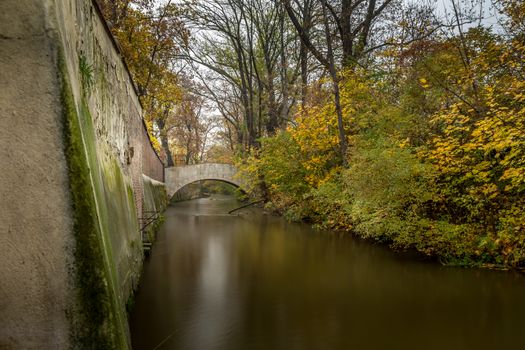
{"x": 149, "y": 218}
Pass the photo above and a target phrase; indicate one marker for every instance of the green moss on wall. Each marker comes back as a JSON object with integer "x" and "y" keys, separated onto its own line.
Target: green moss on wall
{"x": 155, "y": 200}
{"x": 122, "y": 223}
{"x": 86, "y": 74}
{"x": 97, "y": 318}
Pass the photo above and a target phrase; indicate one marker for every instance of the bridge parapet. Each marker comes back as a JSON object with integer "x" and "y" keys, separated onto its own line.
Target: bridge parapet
{"x": 180, "y": 176}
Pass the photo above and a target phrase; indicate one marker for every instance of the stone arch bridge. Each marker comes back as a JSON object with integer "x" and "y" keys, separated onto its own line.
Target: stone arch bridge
{"x": 179, "y": 176}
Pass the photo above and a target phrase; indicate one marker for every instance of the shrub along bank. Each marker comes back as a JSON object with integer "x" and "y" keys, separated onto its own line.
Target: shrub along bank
{"x": 436, "y": 157}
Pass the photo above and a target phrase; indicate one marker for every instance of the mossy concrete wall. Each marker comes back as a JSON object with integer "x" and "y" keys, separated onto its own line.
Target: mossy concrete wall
{"x": 155, "y": 201}
{"x": 36, "y": 240}
{"x": 155, "y": 196}
{"x": 73, "y": 189}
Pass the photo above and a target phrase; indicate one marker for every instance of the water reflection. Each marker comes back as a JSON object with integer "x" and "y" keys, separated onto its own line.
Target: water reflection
{"x": 258, "y": 282}
{"x": 214, "y": 313}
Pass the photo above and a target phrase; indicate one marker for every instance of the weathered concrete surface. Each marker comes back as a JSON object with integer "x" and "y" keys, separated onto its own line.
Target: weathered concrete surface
{"x": 180, "y": 176}
{"x": 155, "y": 196}
{"x": 50, "y": 49}
{"x": 155, "y": 201}
{"x": 35, "y": 225}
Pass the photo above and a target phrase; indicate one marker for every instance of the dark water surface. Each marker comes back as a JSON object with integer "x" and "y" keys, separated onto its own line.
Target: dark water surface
{"x": 218, "y": 282}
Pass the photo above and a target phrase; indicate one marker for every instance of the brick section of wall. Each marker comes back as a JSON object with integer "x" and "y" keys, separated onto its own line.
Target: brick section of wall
{"x": 152, "y": 166}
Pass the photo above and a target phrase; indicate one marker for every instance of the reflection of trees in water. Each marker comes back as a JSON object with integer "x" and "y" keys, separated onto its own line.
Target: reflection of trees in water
{"x": 259, "y": 282}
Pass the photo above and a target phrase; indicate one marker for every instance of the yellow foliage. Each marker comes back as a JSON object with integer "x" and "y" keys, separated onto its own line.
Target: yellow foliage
{"x": 154, "y": 141}
{"x": 316, "y": 129}
{"x": 482, "y": 145}
{"x": 424, "y": 83}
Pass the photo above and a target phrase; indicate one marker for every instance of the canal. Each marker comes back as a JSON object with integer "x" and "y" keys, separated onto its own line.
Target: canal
{"x": 254, "y": 281}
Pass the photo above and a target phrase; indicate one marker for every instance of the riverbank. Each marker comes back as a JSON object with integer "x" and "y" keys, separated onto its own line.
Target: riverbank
{"x": 331, "y": 207}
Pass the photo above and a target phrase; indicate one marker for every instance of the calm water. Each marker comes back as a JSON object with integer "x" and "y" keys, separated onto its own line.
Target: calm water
{"x": 218, "y": 282}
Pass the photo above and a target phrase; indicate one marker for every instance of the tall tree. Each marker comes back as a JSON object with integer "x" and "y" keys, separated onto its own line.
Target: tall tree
{"x": 245, "y": 49}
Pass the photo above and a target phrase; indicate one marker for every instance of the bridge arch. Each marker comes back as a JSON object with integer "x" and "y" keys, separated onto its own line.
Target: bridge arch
{"x": 179, "y": 176}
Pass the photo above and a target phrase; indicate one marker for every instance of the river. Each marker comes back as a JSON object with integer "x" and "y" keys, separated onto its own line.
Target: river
{"x": 254, "y": 281}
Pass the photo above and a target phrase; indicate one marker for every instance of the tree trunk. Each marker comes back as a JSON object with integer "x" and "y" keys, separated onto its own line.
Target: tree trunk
{"x": 335, "y": 85}
{"x": 303, "y": 55}
{"x": 166, "y": 148}
{"x": 303, "y": 51}
{"x": 346, "y": 32}
{"x": 161, "y": 124}
{"x": 367, "y": 24}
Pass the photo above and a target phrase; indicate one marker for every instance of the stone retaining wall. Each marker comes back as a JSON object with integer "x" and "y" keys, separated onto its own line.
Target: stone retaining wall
{"x": 74, "y": 151}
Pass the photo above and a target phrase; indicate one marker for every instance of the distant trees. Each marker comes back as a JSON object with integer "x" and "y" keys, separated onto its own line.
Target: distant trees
{"x": 250, "y": 58}
{"x": 190, "y": 131}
